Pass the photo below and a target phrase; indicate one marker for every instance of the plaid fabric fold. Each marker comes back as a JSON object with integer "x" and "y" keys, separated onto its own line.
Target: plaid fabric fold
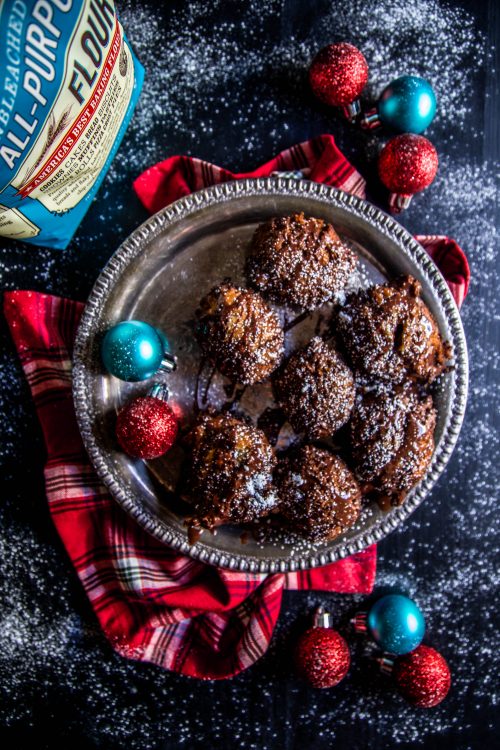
{"x": 319, "y": 160}
{"x": 152, "y": 603}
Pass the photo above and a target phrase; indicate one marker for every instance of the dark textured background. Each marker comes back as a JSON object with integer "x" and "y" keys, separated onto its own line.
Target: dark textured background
{"x": 230, "y": 87}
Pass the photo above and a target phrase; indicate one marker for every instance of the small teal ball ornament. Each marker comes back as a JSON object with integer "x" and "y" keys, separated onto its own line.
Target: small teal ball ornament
{"x": 396, "y": 624}
{"x": 132, "y": 350}
{"x": 407, "y": 105}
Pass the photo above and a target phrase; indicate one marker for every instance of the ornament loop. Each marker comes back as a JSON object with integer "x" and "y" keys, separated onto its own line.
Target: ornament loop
{"x": 159, "y": 391}
{"x": 322, "y": 618}
{"x": 399, "y": 202}
{"x": 352, "y": 110}
{"x": 386, "y": 664}
{"x": 168, "y": 363}
{"x": 359, "y": 622}
{"x": 371, "y": 120}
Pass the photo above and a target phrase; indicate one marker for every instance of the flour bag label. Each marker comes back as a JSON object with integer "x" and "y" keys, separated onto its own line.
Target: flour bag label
{"x": 69, "y": 82}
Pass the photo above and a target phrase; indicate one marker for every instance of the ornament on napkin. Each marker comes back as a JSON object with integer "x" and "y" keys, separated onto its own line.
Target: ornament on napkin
{"x": 407, "y": 165}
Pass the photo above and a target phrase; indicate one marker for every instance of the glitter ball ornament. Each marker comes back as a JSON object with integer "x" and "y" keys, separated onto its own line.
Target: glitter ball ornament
{"x": 407, "y": 164}
{"x": 133, "y": 350}
{"x": 406, "y": 105}
{"x": 395, "y": 623}
{"x": 147, "y": 426}
{"x": 422, "y": 677}
{"x": 322, "y": 656}
{"x": 338, "y": 75}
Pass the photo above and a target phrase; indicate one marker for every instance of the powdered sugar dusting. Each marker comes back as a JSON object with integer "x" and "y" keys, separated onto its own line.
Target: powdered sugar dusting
{"x": 56, "y": 669}
{"x": 196, "y": 75}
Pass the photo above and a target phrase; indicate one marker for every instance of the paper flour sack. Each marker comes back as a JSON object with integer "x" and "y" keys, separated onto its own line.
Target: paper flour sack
{"x": 69, "y": 82}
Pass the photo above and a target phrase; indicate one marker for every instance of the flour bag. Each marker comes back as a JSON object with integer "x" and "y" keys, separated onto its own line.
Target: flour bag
{"x": 69, "y": 82}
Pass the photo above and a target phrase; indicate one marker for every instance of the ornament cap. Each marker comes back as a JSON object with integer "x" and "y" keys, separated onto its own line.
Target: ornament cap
{"x": 399, "y": 202}
{"x": 168, "y": 363}
{"x": 322, "y": 618}
{"x": 359, "y": 622}
{"x": 159, "y": 391}
{"x": 371, "y": 120}
{"x": 386, "y": 664}
{"x": 352, "y": 111}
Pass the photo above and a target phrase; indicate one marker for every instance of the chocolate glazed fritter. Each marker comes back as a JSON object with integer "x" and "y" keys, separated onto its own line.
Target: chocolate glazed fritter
{"x": 239, "y": 333}
{"x": 392, "y": 439}
{"x": 390, "y": 334}
{"x": 319, "y": 496}
{"x": 315, "y": 389}
{"x": 230, "y": 471}
{"x": 299, "y": 261}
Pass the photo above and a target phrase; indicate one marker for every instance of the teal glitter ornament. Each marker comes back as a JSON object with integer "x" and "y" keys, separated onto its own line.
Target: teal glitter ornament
{"x": 395, "y": 623}
{"x": 133, "y": 350}
{"x": 406, "y": 105}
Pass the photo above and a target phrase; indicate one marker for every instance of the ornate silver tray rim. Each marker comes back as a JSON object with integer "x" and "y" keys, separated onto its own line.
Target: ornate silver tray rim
{"x": 222, "y": 193}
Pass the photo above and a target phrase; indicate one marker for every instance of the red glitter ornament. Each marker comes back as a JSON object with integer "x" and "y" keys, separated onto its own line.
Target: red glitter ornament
{"x": 322, "y": 657}
{"x": 407, "y": 164}
{"x": 146, "y": 427}
{"x": 422, "y": 676}
{"x": 338, "y": 75}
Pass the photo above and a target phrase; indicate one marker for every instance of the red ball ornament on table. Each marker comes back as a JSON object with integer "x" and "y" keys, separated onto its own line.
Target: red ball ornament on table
{"x": 338, "y": 75}
{"x": 322, "y": 656}
{"x": 147, "y": 427}
{"x": 407, "y": 164}
{"x": 423, "y": 677}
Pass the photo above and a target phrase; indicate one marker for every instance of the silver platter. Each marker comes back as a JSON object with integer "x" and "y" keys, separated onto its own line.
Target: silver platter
{"x": 160, "y": 273}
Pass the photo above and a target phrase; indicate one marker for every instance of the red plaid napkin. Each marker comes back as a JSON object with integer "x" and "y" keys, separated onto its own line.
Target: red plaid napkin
{"x": 319, "y": 160}
{"x": 152, "y": 603}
